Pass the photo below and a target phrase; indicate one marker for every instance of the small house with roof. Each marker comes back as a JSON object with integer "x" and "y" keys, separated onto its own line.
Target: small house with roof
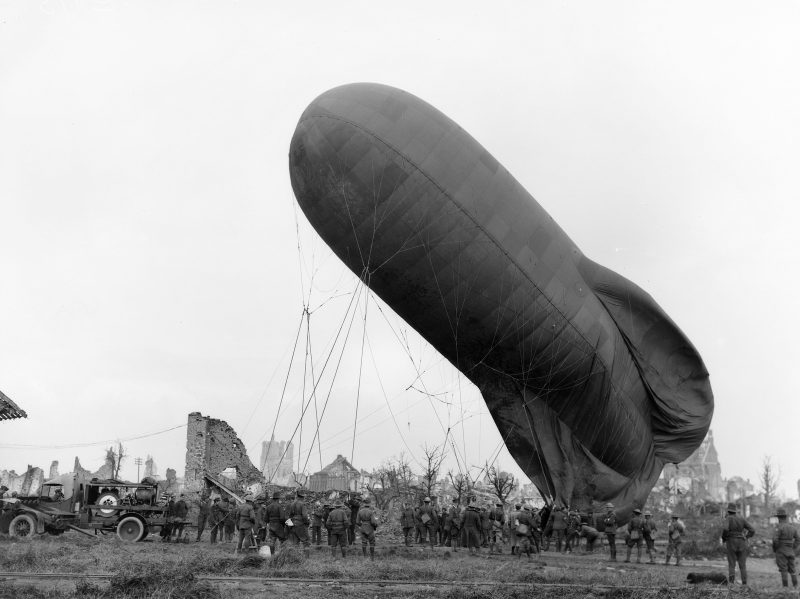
{"x": 339, "y": 475}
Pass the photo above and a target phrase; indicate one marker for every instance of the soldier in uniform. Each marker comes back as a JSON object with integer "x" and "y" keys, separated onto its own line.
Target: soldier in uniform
{"x": 472, "y": 528}
{"x": 368, "y": 524}
{"x": 512, "y": 519}
{"x": 735, "y": 533}
{"x": 180, "y": 510}
{"x": 610, "y": 529}
{"x": 635, "y": 535}
{"x": 573, "y": 530}
{"x": 427, "y": 516}
{"x": 275, "y": 517}
{"x": 245, "y": 520}
{"x": 316, "y": 524}
{"x": 785, "y": 543}
{"x": 326, "y": 511}
{"x": 354, "y": 503}
{"x": 217, "y": 519}
{"x": 407, "y": 522}
{"x": 675, "y": 532}
{"x": 523, "y": 528}
{"x": 590, "y": 534}
{"x": 204, "y": 506}
{"x": 338, "y": 523}
{"x": 558, "y": 524}
{"x": 229, "y": 527}
{"x": 260, "y": 528}
{"x": 454, "y": 517}
{"x": 298, "y": 512}
{"x": 536, "y": 529}
{"x": 649, "y": 531}
{"x": 486, "y": 525}
{"x": 497, "y": 519}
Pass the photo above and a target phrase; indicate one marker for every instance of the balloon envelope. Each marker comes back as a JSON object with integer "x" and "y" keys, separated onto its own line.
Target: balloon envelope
{"x": 592, "y": 386}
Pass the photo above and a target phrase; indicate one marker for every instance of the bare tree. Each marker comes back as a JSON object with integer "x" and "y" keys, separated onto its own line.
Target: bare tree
{"x": 770, "y": 478}
{"x": 503, "y": 483}
{"x": 461, "y": 484}
{"x": 393, "y": 479}
{"x": 433, "y": 463}
{"x": 115, "y": 457}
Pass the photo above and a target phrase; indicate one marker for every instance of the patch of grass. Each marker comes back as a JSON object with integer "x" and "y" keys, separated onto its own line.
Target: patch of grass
{"x": 161, "y": 581}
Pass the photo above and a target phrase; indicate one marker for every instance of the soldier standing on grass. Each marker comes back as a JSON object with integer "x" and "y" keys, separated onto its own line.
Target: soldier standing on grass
{"x": 472, "y": 529}
{"x": 275, "y": 517}
{"x": 512, "y": 519}
{"x": 407, "y": 522}
{"x": 558, "y": 524}
{"x": 180, "y": 510}
{"x": 675, "y": 532}
{"x": 536, "y": 529}
{"x": 338, "y": 523}
{"x": 454, "y": 515}
{"x": 735, "y": 533}
{"x": 354, "y": 504}
{"x": 573, "y": 531}
{"x": 427, "y": 516}
{"x": 610, "y": 528}
{"x": 368, "y": 524}
{"x": 229, "y": 527}
{"x": 649, "y": 531}
{"x": 785, "y": 543}
{"x": 523, "y": 529}
{"x": 298, "y": 512}
{"x": 326, "y": 511}
{"x": 217, "y": 519}
{"x": 497, "y": 518}
{"x": 204, "y": 506}
{"x": 635, "y": 534}
{"x": 245, "y": 521}
{"x": 316, "y": 524}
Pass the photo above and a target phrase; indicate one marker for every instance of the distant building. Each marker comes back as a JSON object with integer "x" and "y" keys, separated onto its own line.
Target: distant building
{"x": 276, "y": 461}
{"x": 339, "y": 475}
{"x": 699, "y": 476}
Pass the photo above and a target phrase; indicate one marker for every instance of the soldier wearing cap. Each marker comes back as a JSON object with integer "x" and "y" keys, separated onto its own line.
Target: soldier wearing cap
{"x": 558, "y": 524}
{"x": 217, "y": 519}
{"x": 610, "y": 530}
{"x": 367, "y": 524}
{"x": 675, "y": 532}
{"x": 454, "y": 516}
{"x": 471, "y": 525}
{"x": 427, "y": 516}
{"x": 785, "y": 543}
{"x": 512, "y": 519}
{"x": 316, "y": 524}
{"x": 407, "y": 522}
{"x": 523, "y": 529}
{"x": 573, "y": 530}
{"x": 649, "y": 531}
{"x": 497, "y": 518}
{"x": 275, "y": 517}
{"x": 338, "y": 522}
{"x": 536, "y": 528}
{"x": 245, "y": 521}
{"x": 635, "y": 535}
{"x": 297, "y": 512}
{"x": 735, "y": 533}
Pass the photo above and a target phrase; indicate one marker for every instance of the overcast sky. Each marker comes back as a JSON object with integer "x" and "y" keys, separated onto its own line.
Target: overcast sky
{"x": 151, "y": 249}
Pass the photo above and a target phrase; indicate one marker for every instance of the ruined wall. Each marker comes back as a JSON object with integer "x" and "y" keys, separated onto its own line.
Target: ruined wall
{"x": 53, "y": 469}
{"x": 276, "y": 461}
{"x": 211, "y": 447}
{"x": 150, "y": 468}
{"x": 27, "y": 483}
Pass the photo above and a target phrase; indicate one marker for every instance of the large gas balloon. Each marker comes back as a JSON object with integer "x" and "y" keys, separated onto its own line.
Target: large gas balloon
{"x": 591, "y": 385}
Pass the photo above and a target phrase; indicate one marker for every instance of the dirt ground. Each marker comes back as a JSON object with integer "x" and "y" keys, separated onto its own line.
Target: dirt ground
{"x": 154, "y": 569}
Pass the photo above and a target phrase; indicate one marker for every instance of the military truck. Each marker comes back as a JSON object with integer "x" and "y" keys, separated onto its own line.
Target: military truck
{"x": 73, "y": 502}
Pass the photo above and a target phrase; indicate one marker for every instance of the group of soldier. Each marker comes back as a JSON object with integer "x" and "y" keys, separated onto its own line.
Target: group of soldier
{"x": 527, "y": 529}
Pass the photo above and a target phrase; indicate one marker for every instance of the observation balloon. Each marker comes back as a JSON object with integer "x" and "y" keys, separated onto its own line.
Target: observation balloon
{"x": 592, "y": 386}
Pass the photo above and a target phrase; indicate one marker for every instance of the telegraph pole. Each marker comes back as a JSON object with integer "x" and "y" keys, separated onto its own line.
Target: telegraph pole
{"x": 138, "y": 462}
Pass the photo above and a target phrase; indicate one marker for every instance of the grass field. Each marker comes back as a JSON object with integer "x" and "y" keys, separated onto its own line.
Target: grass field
{"x": 153, "y": 569}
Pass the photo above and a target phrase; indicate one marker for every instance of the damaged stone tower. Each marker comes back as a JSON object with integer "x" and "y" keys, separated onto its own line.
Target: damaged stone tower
{"x": 211, "y": 447}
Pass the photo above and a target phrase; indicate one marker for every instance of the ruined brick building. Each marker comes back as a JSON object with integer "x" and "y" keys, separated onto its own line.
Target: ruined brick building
{"x": 699, "y": 476}
{"x": 339, "y": 475}
{"x": 211, "y": 447}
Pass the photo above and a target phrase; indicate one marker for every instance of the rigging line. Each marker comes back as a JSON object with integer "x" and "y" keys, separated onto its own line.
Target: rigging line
{"x": 324, "y": 366}
{"x": 408, "y": 353}
{"x": 311, "y": 361}
{"x": 285, "y": 383}
{"x": 89, "y": 444}
{"x": 537, "y": 450}
{"x": 303, "y": 389}
{"x": 360, "y": 362}
{"x": 335, "y": 372}
{"x": 299, "y": 251}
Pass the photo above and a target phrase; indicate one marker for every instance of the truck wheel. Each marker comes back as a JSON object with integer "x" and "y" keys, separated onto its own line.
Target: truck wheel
{"x": 130, "y": 529}
{"x": 107, "y": 498}
{"x": 22, "y": 527}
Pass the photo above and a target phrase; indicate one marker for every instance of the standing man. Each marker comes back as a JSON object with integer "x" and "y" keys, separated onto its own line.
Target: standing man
{"x": 355, "y": 505}
{"x": 497, "y": 518}
{"x": 338, "y": 523}
{"x": 407, "y": 522}
{"x": 368, "y": 524}
{"x": 573, "y": 531}
{"x": 635, "y": 535}
{"x": 735, "y": 533}
{"x": 536, "y": 529}
{"x": 785, "y": 542}
{"x": 512, "y": 520}
{"x": 245, "y": 521}
{"x": 675, "y": 532}
{"x": 217, "y": 520}
{"x": 610, "y": 528}
{"x": 229, "y": 527}
{"x": 180, "y": 511}
{"x": 523, "y": 528}
{"x": 558, "y": 524}
{"x": 486, "y": 524}
{"x": 427, "y": 516}
{"x": 326, "y": 511}
{"x": 316, "y": 524}
{"x": 275, "y": 517}
{"x": 472, "y": 528}
{"x": 454, "y": 516}
{"x": 204, "y": 514}
{"x": 298, "y": 512}
{"x": 649, "y": 531}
